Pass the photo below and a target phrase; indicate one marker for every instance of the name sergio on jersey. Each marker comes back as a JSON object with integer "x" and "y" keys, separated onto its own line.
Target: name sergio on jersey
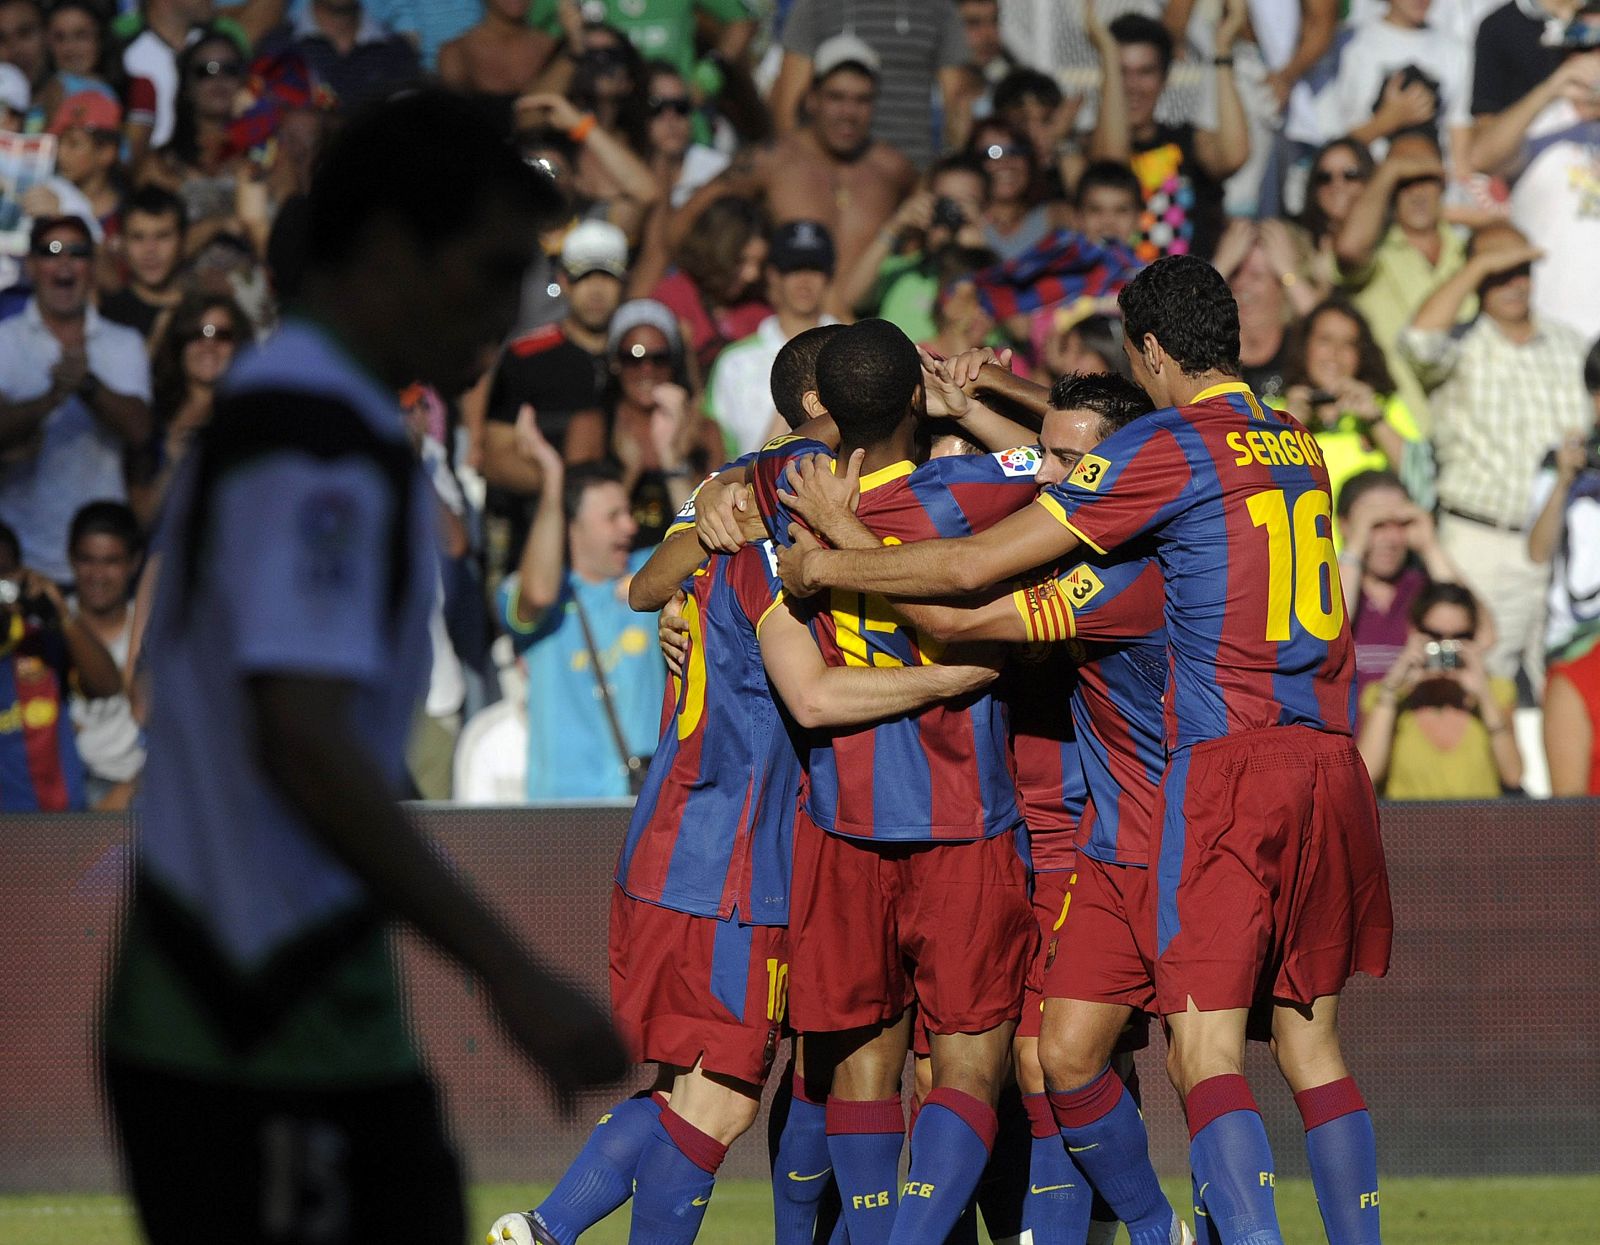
{"x": 1289, "y": 448}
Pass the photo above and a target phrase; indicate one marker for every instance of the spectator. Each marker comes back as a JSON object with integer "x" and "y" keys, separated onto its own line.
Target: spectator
{"x": 716, "y": 289}
{"x": 1398, "y": 74}
{"x": 74, "y": 393}
{"x": 22, "y": 41}
{"x": 153, "y": 225}
{"x": 1516, "y": 72}
{"x": 1076, "y": 338}
{"x": 88, "y": 130}
{"x": 595, "y": 675}
{"x": 663, "y": 446}
{"x": 1394, "y": 248}
{"x": 1545, "y": 143}
{"x": 681, "y": 164}
{"x": 553, "y": 151}
{"x": 46, "y": 650}
{"x": 911, "y": 60}
{"x": 1108, "y": 200}
{"x": 357, "y": 57}
{"x": 960, "y": 321}
{"x": 14, "y": 98}
{"x": 105, "y": 547}
{"x": 1266, "y": 311}
{"x": 1031, "y": 103}
{"x": 86, "y": 58}
{"x": 1389, "y": 553}
{"x": 831, "y": 169}
{"x": 1338, "y": 172}
{"x": 666, "y": 30}
{"x": 1017, "y": 218}
{"x": 1180, "y": 167}
{"x": 1339, "y": 386}
{"x": 1437, "y": 726}
{"x": 152, "y": 55}
{"x": 989, "y": 61}
{"x": 1503, "y": 392}
{"x": 609, "y": 174}
{"x": 1566, "y": 531}
{"x": 500, "y": 56}
{"x": 739, "y": 392}
{"x": 190, "y": 357}
{"x": 898, "y": 276}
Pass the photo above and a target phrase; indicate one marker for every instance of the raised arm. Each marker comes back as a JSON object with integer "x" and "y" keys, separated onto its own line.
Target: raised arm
{"x": 950, "y": 383}
{"x": 1498, "y": 137}
{"x": 1222, "y": 152}
{"x": 1111, "y": 138}
{"x": 544, "y": 553}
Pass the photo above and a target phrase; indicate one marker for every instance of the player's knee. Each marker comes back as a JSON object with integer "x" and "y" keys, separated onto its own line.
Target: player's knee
{"x": 1070, "y": 1057}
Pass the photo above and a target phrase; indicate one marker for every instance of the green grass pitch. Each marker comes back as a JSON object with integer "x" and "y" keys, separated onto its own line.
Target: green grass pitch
{"x": 1490, "y": 1211}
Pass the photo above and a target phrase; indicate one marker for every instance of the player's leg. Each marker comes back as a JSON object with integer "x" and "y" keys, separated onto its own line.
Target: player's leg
{"x": 1228, "y": 1149}
{"x": 798, "y": 1147}
{"x": 708, "y": 1112}
{"x": 865, "y": 1121}
{"x": 1339, "y": 1136}
{"x": 1055, "y": 1208}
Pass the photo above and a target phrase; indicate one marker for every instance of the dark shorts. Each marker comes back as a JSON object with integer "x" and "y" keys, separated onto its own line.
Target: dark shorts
{"x": 209, "y": 1160}
{"x": 874, "y": 926}
{"x": 1270, "y": 874}
{"x": 694, "y": 989}
{"x": 1050, "y": 888}
{"x": 1107, "y": 952}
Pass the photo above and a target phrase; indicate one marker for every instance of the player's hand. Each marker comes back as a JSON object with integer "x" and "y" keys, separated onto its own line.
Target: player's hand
{"x": 792, "y": 562}
{"x": 974, "y": 666}
{"x": 560, "y": 1030}
{"x": 819, "y": 496}
{"x": 672, "y": 633}
{"x": 719, "y": 514}
{"x": 966, "y": 367}
{"x": 943, "y": 397}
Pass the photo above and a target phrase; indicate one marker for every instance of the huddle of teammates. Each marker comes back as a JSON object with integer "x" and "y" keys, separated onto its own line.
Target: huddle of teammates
{"x": 872, "y": 827}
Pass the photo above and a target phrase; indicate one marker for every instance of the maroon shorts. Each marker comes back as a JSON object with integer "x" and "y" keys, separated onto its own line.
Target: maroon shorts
{"x": 1107, "y": 954}
{"x": 1270, "y": 874}
{"x": 691, "y": 988}
{"x": 1050, "y": 912}
{"x": 874, "y": 926}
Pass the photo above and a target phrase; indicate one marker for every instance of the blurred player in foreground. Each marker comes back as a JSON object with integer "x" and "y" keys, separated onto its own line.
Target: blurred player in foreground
{"x": 264, "y": 1082}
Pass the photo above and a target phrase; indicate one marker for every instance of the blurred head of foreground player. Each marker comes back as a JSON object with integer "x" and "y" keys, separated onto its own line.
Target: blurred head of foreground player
{"x": 421, "y": 222}
{"x": 1180, "y": 329}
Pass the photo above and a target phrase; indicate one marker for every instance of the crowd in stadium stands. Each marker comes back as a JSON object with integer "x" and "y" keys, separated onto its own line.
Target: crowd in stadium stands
{"x": 1404, "y": 197}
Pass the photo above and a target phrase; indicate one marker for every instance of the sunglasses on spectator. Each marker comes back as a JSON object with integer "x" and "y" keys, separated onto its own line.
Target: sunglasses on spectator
{"x": 217, "y": 69}
{"x": 996, "y": 152}
{"x": 63, "y": 250}
{"x": 637, "y": 355}
{"x": 674, "y": 104}
{"x": 209, "y": 333}
{"x": 1326, "y": 177}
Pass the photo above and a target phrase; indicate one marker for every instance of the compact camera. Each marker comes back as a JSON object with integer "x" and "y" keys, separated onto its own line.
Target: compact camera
{"x": 1443, "y": 655}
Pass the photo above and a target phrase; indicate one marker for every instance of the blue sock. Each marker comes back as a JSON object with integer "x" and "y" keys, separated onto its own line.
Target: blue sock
{"x": 864, "y": 1141}
{"x": 600, "y": 1179}
{"x": 950, "y": 1147}
{"x": 1344, "y": 1161}
{"x": 676, "y": 1173}
{"x": 1059, "y": 1196}
{"x": 1105, "y": 1137}
{"x": 966, "y": 1230}
{"x": 801, "y": 1167}
{"x": 1230, "y": 1157}
{"x": 1003, "y": 1187}
{"x": 1205, "y": 1233}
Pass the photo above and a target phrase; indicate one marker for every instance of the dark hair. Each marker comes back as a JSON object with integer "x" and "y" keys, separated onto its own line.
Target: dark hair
{"x": 1116, "y": 401}
{"x": 1313, "y": 218}
{"x": 44, "y": 224}
{"x": 108, "y": 58}
{"x": 1372, "y": 369}
{"x": 106, "y": 518}
{"x": 168, "y": 385}
{"x": 185, "y": 140}
{"x": 1109, "y": 175}
{"x": 8, "y": 534}
{"x": 152, "y": 200}
{"x": 1443, "y": 594}
{"x": 960, "y": 162}
{"x": 710, "y": 251}
{"x": 582, "y": 477}
{"x": 1362, "y": 483}
{"x": 633, "y": 118}
{"x": 1591, "y": 368}
{"x": 866, "y": 378}
{"x": 1019, "y": 84}
{"x": 1101, "y": 335}
{"x": 1186, "y": 305}
{"x": 1135, "y": 28}
{"x": 794, "y": 371}
{"x": 427, "y": 159}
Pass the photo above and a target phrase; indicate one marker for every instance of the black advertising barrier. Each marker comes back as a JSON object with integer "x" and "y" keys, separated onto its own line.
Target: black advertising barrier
{"x": 1479, "y": 1054}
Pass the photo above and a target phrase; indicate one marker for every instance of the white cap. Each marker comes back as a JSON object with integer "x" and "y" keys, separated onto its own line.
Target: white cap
{"x": 642, "y": 312}
{"x": 14, "y": 92}
{"x": 595, "y": 246}
{"x": 840, "y": 50}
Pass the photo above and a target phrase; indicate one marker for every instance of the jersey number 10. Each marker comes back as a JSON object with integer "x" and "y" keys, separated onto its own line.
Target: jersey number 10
{"x": 1297, "y": 554}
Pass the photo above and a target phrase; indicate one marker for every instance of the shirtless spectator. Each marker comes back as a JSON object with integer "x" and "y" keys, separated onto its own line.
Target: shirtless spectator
{"x": 502, "y": 55}
{"x": 830, "y": 170}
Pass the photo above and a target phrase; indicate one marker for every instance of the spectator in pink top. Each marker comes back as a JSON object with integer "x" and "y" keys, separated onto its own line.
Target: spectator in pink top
{"x": 716, "y": 289}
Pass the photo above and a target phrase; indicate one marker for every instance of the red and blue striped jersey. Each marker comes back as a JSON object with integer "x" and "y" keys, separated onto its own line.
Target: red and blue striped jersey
{"x": 1051, "y": 787}
{"x": 1236, "y": 500}
{"x": 40, "y": 770}
{"x": 713, "y": 828}
{"x": 943, "y": 773}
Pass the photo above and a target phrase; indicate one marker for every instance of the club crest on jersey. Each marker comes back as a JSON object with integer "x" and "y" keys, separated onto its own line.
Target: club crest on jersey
{"x": 787, "y": 438}
{"x": 1024, "y": 460}
{"x": 1081, "y": 586}
{"x": 1089, "y": 472}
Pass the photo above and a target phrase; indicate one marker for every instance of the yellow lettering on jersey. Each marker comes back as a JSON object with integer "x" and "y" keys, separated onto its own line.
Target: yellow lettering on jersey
{"x": 869, "y": 1201}
{"x": 777, "y": 989}
{"x": 1081, "y": 585}
{"x": 1089, "y": 472}
{"x": 1369, "y": 1200}
{"x": 1268, "y": 1180}
{"x": 1274, "y": 449}
{"x": 779, "y": 442}
{"x": 1293, "y": 451}
{"x": 917, "y": 1189}
{"x": 1236, "y": 443}
{"x": 604, "y": 1119}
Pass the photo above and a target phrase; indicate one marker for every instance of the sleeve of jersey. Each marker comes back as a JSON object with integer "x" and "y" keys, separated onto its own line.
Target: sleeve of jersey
{"x": 1095, "y": 601}
{"x": 685, "y": 517}
{"x": 771, "y": 460}
{"x": 1128, "y": 486}
{"x": 302, "y": 552}
{"x": 982, "y": 489}
{"x": 755, "y": 582}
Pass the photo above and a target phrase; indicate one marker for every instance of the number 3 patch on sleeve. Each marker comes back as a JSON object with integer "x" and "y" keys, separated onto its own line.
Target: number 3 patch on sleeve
{"x": 1089, "y": 472}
